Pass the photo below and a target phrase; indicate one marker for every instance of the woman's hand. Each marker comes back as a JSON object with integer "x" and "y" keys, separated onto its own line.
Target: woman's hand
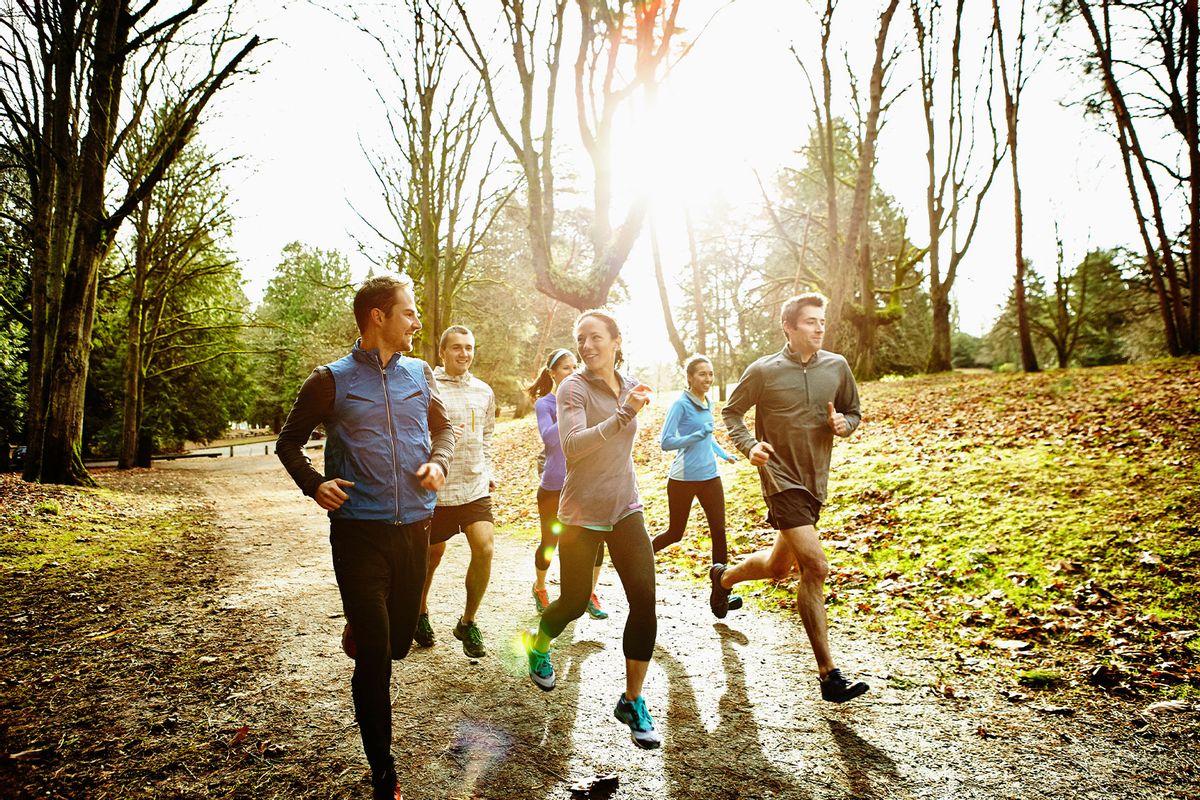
{"x": 639, "y": 396}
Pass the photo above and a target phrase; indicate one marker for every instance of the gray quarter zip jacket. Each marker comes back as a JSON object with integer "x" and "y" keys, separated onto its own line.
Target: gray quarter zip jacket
{"x": 596, "y": 429}
{"x": 791, "y": 414}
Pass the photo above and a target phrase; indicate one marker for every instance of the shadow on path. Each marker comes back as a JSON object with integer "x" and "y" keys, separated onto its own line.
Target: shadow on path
{"x": 870, "y": 773}
{"x": 489, "y": 733}
{"x": 699, "y": 763}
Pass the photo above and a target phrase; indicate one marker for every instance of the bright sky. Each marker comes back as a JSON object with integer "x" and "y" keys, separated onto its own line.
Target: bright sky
{"x": 737, "y": 103}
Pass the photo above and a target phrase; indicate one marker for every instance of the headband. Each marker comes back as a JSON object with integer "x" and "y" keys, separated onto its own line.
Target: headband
{"x": 555, "y": 356}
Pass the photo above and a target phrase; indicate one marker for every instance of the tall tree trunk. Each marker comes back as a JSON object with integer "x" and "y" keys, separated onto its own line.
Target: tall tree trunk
{"x": 1012, "y": 97}
{"x": 132, "y": 380}
{"x": 835, "y": 274}
{"x": 50, "y": 190}
{"x": 681, "y": 352}
{"x": 73, "y": 213}
{"x": 697, "y": 286}
{"x": 1191, "y": 31}
{"x": 867, "y": 322}
{"x": 1028, "y": 356}
{"x": 61, "y": 442}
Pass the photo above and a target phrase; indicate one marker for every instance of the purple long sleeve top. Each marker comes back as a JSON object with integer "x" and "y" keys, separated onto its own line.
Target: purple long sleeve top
{"x": 555, "y": 470}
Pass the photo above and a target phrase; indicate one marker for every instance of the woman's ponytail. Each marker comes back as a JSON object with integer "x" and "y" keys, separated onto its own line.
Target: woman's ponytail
{"x": 542, "y": 386}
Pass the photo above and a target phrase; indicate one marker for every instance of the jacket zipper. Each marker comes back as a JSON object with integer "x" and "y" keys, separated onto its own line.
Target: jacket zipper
{"x": 387, "y": 402}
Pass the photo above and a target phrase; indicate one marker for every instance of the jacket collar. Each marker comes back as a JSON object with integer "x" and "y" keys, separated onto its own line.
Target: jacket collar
{"x": 594, "y": 379}
{"x": 439, "y": 372}
{"x": 794, "y": 357}
{"x": 371, "y": 357}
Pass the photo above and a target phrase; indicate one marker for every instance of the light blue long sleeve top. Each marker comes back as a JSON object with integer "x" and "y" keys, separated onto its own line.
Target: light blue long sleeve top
{"x": 688, "y": 428}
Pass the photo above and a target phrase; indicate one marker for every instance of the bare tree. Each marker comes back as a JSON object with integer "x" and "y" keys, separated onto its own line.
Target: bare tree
{"x": 842, "y": 241}
{"x": 1012, "y": 108}
{"x": 440, "y": 195}
{"x": 1157, "y": 80}
{"x": 1063, "y": 321}
{"x": 952, "y": 190}
{"x": 533, "y": 35}
{"x": 76, "y": 77}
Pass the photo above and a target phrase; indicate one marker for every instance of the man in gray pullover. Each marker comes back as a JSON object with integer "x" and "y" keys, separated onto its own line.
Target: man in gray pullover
{"x": 803, "y": 396}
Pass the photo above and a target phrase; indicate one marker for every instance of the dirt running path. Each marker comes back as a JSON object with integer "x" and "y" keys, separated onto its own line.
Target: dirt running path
{"x": 737, "y": 701}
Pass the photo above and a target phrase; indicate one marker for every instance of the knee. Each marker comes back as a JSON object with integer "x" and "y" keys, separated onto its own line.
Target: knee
{"x": 436, "y": 551}
{"x": 483, "y": 549}
{"x": 574, "y": 607}
{"x": 814, "y": 570}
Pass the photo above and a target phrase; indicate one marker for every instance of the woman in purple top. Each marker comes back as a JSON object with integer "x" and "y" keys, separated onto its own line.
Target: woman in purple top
{"x": 597, "y": 408}
{"x": 559, "y": 365}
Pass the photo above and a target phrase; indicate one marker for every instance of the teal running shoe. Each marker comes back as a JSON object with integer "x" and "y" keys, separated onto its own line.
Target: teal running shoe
{"x": 641, "y": 724}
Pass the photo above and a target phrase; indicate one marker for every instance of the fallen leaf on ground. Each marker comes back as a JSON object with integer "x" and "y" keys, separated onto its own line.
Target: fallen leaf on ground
{"x": 105, "y": 635}
{"x": 1011, "y": 644}
{"x": 1169, "y": 705}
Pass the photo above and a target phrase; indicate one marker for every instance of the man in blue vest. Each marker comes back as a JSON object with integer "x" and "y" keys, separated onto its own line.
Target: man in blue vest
{"x": 387, "y": 452}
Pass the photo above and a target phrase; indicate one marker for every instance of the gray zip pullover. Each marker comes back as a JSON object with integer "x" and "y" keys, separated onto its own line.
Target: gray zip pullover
{"x": 790, "y": 400}
{"x": 596, "y": 429}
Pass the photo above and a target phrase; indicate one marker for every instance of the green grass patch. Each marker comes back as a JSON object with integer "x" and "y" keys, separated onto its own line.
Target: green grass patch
{"x": 93, "y": 527}
{"x": 1039, "y": 678}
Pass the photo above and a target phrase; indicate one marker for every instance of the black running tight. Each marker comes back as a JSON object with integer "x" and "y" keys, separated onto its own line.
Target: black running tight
{"x": 679, "y": 501}
{"x": 630, "y": 553}
{"x": 547, "y": 501}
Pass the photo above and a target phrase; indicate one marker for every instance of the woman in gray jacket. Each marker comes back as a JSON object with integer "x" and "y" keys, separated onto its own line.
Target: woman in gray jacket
{"x": 597, "y": 422}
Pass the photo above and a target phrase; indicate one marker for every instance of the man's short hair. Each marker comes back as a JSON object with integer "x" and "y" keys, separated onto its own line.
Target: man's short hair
{"x": 791, "y": 307}
{"x": 463, "y": 329}
{"x": 379, "y": 292}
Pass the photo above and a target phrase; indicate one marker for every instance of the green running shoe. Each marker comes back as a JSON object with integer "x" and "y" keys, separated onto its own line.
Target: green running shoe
{"x": 472, "y": 640}
{"x": 424, "y": 634}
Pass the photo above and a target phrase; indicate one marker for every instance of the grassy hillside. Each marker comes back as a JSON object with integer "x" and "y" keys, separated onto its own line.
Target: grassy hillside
{"x": 1045, "y": 524}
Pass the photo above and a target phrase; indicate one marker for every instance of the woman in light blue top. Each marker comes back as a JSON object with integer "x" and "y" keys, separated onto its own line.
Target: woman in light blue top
{"x": 688, "y": 429}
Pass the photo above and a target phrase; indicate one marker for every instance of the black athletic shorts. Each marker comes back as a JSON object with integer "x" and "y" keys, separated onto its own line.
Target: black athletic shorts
{"x": 449, "y": 521}
{"x": 791, "y": 508}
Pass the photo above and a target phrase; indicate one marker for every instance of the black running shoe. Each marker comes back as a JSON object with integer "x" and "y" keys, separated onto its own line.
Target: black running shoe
{"x": 837, "y": 689}
{"x": 718, "y": 597}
